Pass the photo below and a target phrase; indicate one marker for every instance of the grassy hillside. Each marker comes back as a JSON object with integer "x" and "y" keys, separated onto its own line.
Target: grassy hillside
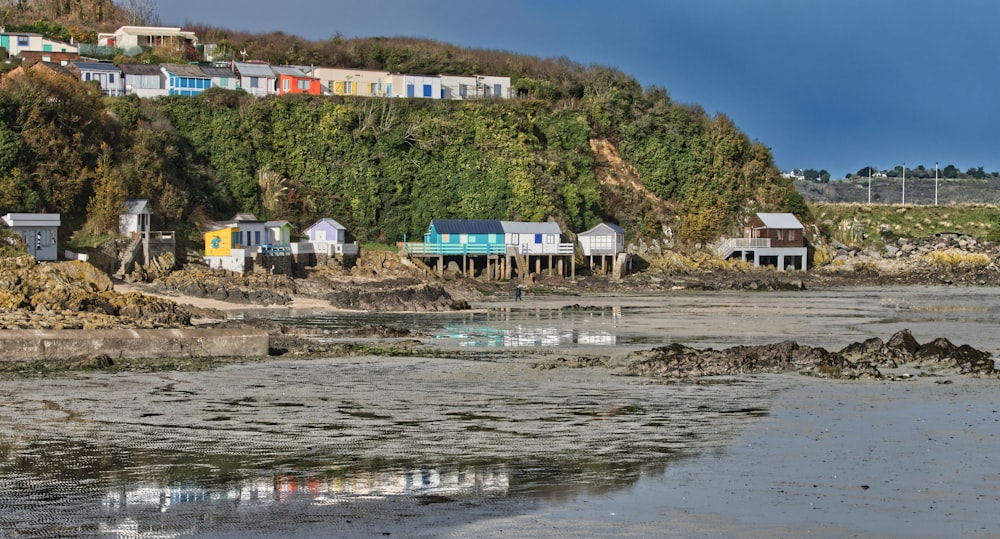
{"x": 875, "y": 225}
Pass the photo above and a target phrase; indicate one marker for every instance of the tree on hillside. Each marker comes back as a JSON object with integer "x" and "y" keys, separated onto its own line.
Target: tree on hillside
{"x": 61, "y": 126}
{"x": 140, "y": 12}
{"x": 105, "y": 206}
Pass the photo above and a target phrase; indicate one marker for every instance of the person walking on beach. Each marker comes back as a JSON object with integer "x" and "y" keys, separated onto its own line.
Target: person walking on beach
{"x": 517, "y": 293}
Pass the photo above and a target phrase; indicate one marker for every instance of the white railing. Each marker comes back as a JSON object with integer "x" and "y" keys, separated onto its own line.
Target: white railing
{"x": 726, "y": 247}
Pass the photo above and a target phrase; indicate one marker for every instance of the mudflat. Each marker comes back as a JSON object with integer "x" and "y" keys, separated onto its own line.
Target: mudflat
{"x": 512, "y": 441}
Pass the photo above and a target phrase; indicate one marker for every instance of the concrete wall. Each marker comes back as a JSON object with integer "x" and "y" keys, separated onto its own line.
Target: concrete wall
{"x": 39, "y": 344}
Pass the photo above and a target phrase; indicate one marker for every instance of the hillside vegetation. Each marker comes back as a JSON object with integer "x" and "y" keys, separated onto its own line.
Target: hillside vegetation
{"x": 876, "y": 225}
{"x": 386, "y": 167}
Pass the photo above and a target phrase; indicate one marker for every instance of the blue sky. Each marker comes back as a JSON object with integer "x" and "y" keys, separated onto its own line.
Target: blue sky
{"x": 826, "y": 84}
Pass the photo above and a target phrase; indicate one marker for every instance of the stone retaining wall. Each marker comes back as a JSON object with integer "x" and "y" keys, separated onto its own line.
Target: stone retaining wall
{"x": 42, "y": 344}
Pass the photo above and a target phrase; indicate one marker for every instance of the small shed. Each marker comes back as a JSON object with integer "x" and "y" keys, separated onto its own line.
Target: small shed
{"x": 602, "y": 244}
{"x": 256, "y": 79}
{"x": 143, "y": 80}
{"x": 223, "y": 250}
{"x": 39, "y": 231}
{"x": 605, "y": 239}
{"x": 106, "y": 74}
{"x": 328, "y": 237}
{"x": 327, "y": 230}
{"x": 278, "y": 237}
{"x": 134, "y": 218}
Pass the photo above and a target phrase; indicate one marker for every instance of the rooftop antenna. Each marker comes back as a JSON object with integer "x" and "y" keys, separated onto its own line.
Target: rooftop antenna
{"x": 243, "y": 53}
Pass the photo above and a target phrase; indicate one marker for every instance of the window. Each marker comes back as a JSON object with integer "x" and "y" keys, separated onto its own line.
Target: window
{"x": 372, "y": 89}
{"x": 349, "y": 88}
{"x": 410, "y": 90}
{"x": 86, "y": 76}
{"x": 286, "y": 84}
{"x": 254, "y": 82}
{"x": 550, "y": 238}
{"x": 427, "y": 90}
{"x": 779, "y": 234}
{"x": 303, "y": 85}
{"x": 514, "y": 238}
{"x": 111, "y": 78}
{"x": 497, "y": 90}
{"x": 538, "y": 238}
{"x": 256, "y": 237}
{"x": 463, "y": 90}
{"x": 22, "y": 41}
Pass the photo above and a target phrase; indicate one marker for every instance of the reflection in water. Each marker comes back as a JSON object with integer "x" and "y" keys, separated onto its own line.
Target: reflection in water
{"x": 502, "y": 327}
{"x": 315, "y": 489}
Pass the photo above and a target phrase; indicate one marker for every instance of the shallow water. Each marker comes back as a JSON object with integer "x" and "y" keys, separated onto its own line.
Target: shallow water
{"x": 831, "y": 318}
{"x": 437, "y": 447}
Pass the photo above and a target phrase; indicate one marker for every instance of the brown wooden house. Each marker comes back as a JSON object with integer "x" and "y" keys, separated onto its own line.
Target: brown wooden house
{"x": 783, "y": 229}
{"x": 769, "y": 239}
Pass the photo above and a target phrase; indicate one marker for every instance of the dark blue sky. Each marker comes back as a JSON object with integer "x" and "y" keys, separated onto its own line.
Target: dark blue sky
{"x": 826, "y": 84}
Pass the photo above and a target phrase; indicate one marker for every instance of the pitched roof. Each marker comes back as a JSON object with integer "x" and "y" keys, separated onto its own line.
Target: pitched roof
{"x": 253, "y": 70}
{"x": 518, "y": 227}
{"x": 290, "y": 71}
{"x": 467, "y": 226}
{"x": 603, "y": 228}
{"x": 214, "y": 71}
{"x": 779, "y": 220}
{"x": 328, "y": 222}
{"x": 95, "y": 66}
{"x": 186, "y": 70}
{"x": 136, "y": 206}
{"x": 141, "y": 69}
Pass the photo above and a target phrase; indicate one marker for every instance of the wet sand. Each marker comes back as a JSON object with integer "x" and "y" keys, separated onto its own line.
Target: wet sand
{"x": 912, "y": 459}
{"x": 499, "y": 447}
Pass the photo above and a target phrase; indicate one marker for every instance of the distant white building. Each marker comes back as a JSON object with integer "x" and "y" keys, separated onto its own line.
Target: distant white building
{"x": 148, "y": 36}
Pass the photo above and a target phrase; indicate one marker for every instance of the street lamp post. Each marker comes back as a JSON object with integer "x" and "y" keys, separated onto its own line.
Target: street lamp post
{"x": 869, "y": 185}
{"x": 904, "y": 183}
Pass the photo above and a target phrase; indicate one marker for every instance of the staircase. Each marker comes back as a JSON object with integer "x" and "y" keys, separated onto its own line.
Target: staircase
{"x": 130, "y": 255}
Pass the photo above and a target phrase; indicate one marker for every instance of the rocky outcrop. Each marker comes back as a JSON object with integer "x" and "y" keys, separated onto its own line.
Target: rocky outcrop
{"x": 857, "y": 360}
{"x": 77, "y": 295}
{"x": 254, "y": 288}
{"x": 414, "y": 298}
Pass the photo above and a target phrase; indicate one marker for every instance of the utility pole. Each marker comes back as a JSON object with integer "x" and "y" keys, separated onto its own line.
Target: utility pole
{"x": 869, "y": 185}
{"x": 904, "y": 183}
{"x": 935, "y": 182}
